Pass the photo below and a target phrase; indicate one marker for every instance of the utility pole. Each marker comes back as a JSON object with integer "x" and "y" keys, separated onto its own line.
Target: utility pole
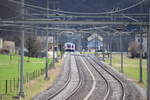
{"x": 21, "y": 92}
{"x": 103, "y": 51}
{"x": 95, "y": 44}
{"x": 57, "y": 43}
{"x": 46, "y": 57}
{"x": 53, "y": 51}
{"x": 81, "y": 42}
{"x": 111, "y": 37}
{"x": 121, "y": 49}
{"x": 148, "y": 56}
{"x": 141, "y": 48}
{"x": 121, "y": 52}
{"x": 141, "y": 56}
{"x": 54, "y": 2}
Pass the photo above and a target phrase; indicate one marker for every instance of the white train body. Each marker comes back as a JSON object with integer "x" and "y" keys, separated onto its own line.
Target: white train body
{"x": 70, "y": 47}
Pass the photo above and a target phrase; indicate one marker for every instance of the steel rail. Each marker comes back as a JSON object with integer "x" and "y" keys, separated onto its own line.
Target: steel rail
{"x": 94, "y": 81}
{"x": 107, "y": 83}
{"x": 65, "y": 85}
{"x": 114, "y": 76}
{"x": 80, "y": 82}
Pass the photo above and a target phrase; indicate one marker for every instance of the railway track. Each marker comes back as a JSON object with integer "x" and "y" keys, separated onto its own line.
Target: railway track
{"x": 110, "y": 89}
{"x": 90, "y": 92}
{"x": 89, "y": 80}
{"x": 106, "y": 75}
{"x": 86, "y": 83}
{"x": 65, "y": 85}
{"x": 107, "y": 84}
{"x": 72, "y": 85}
{"x": 81, "y": 79}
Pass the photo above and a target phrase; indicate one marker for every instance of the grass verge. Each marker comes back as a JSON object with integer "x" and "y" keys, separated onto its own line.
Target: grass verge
{"x": 10, "y": 66}
{"x": 131, "y": 68}
{"x": 34, "y": 87}
{"x": 10, "y": 71}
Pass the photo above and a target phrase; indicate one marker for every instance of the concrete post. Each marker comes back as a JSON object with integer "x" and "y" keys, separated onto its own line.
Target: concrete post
{"x": 111, "y": 50}
{"x": 21, "y": 92}
{"x": 46, "y": 56}
{"x": 141, "y": 57}
{"x": 121, "y": 52}
{"x": 148, "y": 57}
{"x": 53, "y": 51}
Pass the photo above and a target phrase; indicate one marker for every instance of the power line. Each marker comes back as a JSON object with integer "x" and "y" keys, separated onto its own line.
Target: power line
{"x": 43, "y": 21}
{"x": 14, "y": 30}
{"x": 98, "y": 16}
{"x": 78, "y": 13}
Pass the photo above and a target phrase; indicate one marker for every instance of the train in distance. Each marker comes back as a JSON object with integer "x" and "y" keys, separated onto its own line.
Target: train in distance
{"x": 69, "y": 47}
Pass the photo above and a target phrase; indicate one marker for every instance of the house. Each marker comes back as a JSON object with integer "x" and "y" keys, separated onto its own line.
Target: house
{"x": 144, "y": 42}
{"x": 43, "y": 38}
{"x": 9, "y": 45}
{"x": 1, "y": 43}
{"x": 95, "y": 41}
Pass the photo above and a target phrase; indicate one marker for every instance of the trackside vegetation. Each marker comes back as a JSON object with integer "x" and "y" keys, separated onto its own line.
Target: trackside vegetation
{"x": 131, "y": 68}
{"x": 10, "y": 71}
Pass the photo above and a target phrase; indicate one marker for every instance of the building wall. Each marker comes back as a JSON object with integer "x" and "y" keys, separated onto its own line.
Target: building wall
{"x": 10, "y": 45}
{"x": 1, "y": 43}
{"x": 94, "y": 44}
{"x": 144, "y": 42}
{"x": 43, "y": 38}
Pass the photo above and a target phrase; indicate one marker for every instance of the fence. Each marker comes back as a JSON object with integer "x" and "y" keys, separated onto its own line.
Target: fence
{"x": 11, "y": 86}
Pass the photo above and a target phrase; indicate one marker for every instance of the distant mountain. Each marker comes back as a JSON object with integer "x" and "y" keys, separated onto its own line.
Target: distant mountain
{"x": 8, "y": 9}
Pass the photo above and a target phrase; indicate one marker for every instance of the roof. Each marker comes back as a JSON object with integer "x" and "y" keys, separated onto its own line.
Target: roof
{"x": 93, "y": 36}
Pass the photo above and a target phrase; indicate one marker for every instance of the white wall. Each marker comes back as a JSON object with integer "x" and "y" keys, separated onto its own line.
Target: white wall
{"x": 1, "y": 43}
{"x": 144, "y": 43}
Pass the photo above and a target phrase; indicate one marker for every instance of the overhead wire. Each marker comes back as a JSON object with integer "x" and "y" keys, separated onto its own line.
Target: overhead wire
{"x": 13, "y": 30}
{"x": 79, "y": 13}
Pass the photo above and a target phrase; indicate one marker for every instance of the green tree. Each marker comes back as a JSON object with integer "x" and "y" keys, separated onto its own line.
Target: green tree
{"x": 33, "y": 46}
